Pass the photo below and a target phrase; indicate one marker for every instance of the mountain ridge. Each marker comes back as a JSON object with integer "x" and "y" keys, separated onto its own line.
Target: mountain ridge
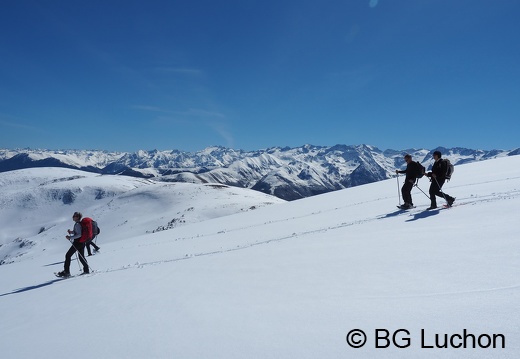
{"x": 285, "y": 172}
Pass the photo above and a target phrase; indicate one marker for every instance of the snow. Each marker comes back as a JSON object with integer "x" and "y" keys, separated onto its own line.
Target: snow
{"x": 285, "y": 280}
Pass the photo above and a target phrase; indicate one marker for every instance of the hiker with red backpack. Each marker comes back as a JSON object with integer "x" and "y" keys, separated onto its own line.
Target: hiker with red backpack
{"x": 81, "y": 233}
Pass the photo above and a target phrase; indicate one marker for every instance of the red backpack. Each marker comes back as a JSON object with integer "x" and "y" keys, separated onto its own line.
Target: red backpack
{"x": 86, "y": 229}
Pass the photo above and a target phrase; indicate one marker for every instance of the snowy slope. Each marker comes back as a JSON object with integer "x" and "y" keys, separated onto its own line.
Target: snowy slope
{"x": 37, "y": 204}
{"x": 286, "y": 281}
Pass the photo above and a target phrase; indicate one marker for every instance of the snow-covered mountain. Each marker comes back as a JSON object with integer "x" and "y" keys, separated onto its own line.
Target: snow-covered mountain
{"x": 288, "y": 280}
{"x": 288, "y": 173}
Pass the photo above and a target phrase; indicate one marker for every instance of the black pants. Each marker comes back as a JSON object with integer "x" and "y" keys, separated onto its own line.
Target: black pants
{"x": 91, "y": 243}
{"x": 406, "y": 190}
{"x": 436, "y": 190}
{"x": 80, "y": 247}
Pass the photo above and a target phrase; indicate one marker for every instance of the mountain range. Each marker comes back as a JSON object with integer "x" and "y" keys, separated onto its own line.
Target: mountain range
{"x": 287, "y": 173}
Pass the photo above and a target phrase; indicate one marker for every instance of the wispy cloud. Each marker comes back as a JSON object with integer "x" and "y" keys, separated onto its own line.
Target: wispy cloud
{"x": 355, "y": 79}
{"x": 180, "y": 71}
{"x": 148, "y": 108}
{"x": 223, "y": 132}
{"x": 197, "y": 112}
{"x": 17, "y": 124}
{"x": 191, "y": 112}
{"x": 214, "y": 120}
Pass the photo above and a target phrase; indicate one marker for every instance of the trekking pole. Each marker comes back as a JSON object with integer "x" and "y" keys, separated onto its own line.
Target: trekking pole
{"x": 82, "y": 256}
{"x": 417, "y": 185}
{"x": 398, "y": 192}
{"x": 422, "y": 191}
{"x": 440, "y": 188}
{"x": 77, "y": 259}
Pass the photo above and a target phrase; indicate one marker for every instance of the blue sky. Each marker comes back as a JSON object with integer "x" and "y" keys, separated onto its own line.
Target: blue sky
{"x": 128, "y": 75}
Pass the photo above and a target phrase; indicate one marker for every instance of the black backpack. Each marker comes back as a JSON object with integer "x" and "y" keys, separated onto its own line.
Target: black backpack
{"x": 449, "y": 168}
{"x": 95, "y": 229}
{"x": 420, "y": 170}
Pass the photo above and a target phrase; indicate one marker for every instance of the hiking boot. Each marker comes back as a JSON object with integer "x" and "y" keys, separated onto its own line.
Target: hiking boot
{"x": 407, "y": 206}
{"x": 450, "y": 201}
{"x": 431, "y": 207}
{"x": 63, "y": 274}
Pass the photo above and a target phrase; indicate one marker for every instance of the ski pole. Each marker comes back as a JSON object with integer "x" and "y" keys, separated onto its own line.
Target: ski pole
{"x": 422, "y": 191}
{"x": 398, "y": 192}
{"x": 440, "y": 188}
{"x": 77, "y": 259}
{"x": 82, "y": 256}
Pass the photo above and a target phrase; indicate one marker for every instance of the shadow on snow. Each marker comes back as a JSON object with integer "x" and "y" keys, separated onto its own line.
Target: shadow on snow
{"x": 32, "y": 287}
{"x": 424, "y": 214}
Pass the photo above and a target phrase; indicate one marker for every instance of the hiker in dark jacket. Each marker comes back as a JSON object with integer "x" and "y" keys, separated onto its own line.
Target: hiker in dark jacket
{"x": 91, "y": 243}
{"x": 437, "y": 178}
{"x": 412, "y": 170}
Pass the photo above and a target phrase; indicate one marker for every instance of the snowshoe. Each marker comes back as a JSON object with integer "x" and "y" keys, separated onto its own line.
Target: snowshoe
{"x": 406, "y": 206}
{"x": 62, "y": 274}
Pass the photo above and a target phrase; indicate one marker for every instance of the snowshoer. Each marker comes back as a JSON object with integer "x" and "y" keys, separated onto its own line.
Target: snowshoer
{"x": 95, "y": 232}
{"x": 79, "y": 237}
{"x": 438, "y": 177}
{"x": 412, "y": 171}
{"x": 91, "y": 243}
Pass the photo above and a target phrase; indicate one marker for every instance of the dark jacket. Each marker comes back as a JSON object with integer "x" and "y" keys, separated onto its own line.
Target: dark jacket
{"x": 440, "y": 168}
{"x": 412, "y": 171}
